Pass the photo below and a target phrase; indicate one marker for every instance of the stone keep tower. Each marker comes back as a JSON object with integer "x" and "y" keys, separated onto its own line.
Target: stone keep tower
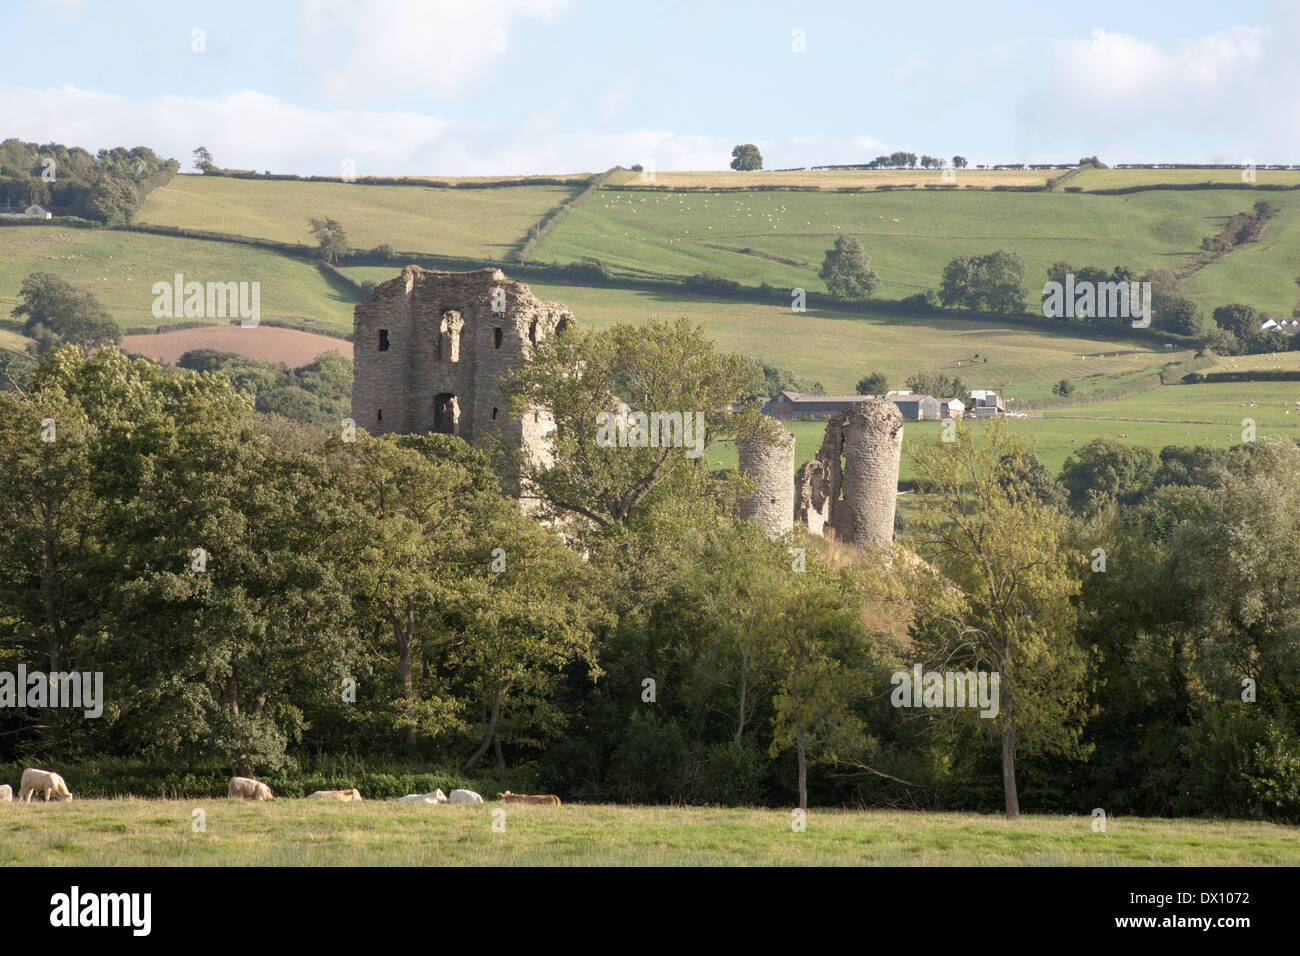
{"x": 430, "y": 348}
{"x": 772, "y": 469}
{"x": 851, "y": 484}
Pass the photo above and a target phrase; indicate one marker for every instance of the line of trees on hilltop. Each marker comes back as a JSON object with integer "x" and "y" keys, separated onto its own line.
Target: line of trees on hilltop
{"x": 107, "y": 187}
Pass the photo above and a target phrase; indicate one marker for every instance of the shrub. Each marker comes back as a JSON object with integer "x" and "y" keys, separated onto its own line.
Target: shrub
{"x": 710, "y": 283}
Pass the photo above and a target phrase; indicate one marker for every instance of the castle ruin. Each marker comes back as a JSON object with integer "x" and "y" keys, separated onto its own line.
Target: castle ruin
{"x": 847, "y": 490}
{"x": 430, "y": 349}
{"x": 771, "y": 466}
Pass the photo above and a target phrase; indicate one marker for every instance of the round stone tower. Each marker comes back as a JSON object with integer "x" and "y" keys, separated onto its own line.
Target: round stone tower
{"x": 771, "y": 467}
{"x": 873, "y": 444}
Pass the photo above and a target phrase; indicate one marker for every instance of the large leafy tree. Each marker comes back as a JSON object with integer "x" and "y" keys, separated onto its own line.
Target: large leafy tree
{"x": 1003, "y": 550}
{"x": 55, "y": 311}
{"x": 1107, "y": 469}
{"x": 847, "y": 270}
{"x": 985, "y": 283}
{"x": 746, "y": 157}
{"x": 581, "y": 379}
{"x": 524, "y": 627}
{"x": 331, "y": 240}
{"x": 219, "y": 612}
{"x": 422, "y": 510}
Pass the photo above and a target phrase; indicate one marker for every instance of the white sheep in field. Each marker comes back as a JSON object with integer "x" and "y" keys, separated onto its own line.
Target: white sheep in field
{"x": 464, "y": 796}
{"x": 247, "y": 788}
{"x": 344, "y": 796}
{"x": 42, "y": 780}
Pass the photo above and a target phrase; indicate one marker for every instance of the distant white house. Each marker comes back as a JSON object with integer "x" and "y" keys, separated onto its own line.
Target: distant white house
{"x": 986, "y": 404}
{"x": 951, "y": 408}
{"x": 31, "y": 212}
{"x": 1288, "y": 326}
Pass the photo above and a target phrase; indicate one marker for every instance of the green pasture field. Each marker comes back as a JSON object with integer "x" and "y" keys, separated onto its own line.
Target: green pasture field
{"x": 386, "y": 833}
{"x": 838, "y": 348}
{"x": 1267, "y": 362}
{"x": 463, "y": 222}
{"x": 13, "y": 341}
{"x": 120, "y": 268}
{"x": 781, "y": 237}
{"x": 1262, "y": 273}
{"x": 1189, "y": 415}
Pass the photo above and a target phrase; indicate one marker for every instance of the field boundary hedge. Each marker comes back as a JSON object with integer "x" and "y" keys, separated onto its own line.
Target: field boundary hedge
{"x": 1262, "y": 375}
{"x": 1171, "y": 373}
{"x": 395, "y": 180}
{"x": 537, "y": 233}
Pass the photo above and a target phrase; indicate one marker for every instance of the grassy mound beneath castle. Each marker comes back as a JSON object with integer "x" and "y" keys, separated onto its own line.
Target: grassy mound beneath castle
{"x": 375, "y": 833}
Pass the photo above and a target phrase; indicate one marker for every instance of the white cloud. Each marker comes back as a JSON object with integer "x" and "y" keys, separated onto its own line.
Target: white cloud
{"x": 1220, "y": 97}
{"x": 69, "y": 8}
{"x": 366, "y": 52}
{"x": 618, "y": 97}
{"x": 251, "y": 130}
{"x": 907, "y": 69}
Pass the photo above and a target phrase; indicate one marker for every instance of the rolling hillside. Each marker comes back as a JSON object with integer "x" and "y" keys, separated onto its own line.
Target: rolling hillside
{"x": 777, "y": 237}
{"x": 781, "y": 237}
{"x": 485, "y": 223}
{"x": 120, "y": 268}
{"x": 838, "y": 348}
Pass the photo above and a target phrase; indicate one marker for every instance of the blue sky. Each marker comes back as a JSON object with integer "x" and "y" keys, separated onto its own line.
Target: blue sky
{"x": 546, "y": 86}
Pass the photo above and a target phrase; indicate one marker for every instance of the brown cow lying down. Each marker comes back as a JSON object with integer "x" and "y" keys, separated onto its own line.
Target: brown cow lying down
{"x": 548, "y": 798}
{"x": 344, "y": 795}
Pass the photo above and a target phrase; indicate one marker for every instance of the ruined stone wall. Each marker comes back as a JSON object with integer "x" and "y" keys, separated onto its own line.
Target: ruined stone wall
{"x": 850, "y": 486}
{"x": 771, "y": 466}
{"x": 430, "y": 348}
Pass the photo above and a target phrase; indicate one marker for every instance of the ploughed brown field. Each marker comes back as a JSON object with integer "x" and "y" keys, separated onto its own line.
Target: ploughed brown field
{"x": 290, "y": 346}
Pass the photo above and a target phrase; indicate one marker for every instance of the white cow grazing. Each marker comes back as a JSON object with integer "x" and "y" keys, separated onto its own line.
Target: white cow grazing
{"x": 249, "y": 789}
{"x": 6, "y": 793}
{"x": 343, "y": 795}
{"x": 464, "y": 796}
{"x": 44, "y": 780}
{"x": 436, "y": 797}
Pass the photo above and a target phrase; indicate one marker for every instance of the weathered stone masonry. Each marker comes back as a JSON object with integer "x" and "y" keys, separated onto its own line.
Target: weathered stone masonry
{"x": 849, "y": 486}
{"x": 430, "y": 349}
{"x": 771, "y": 466}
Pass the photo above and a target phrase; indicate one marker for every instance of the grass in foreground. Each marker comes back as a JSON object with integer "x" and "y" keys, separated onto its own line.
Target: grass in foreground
{"x": 303, "y": 833}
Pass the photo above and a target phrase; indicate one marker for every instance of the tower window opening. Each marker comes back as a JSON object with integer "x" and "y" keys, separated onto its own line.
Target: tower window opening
{"x": 383, "y": 340}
